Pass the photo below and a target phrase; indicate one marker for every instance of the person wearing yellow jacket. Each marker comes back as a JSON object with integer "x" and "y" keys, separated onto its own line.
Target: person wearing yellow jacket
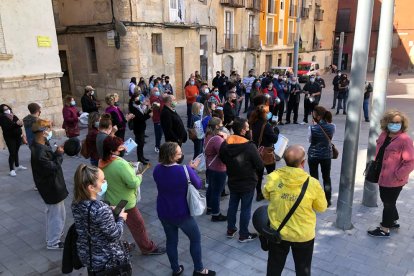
{"x": 282, "y": 189}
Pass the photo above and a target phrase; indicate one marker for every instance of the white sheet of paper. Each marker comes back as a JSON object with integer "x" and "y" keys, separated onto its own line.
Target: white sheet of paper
{"x": 130, "y": 145}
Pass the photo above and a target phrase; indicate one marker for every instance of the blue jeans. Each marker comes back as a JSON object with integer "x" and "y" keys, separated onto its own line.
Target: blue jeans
{"x": 198, "y": 147}
{"x": 190, "y": 229}
{"x": 246, "y": 199}
{"x": 216, "y": 181}
{"x": 158, "y": 134}
{"x": 365, "y": 107}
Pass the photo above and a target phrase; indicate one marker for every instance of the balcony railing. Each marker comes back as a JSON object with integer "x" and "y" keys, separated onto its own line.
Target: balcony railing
{"x": 254, "y": 42}
{"x": 305, "y": 13}
{"x": 230, "y": 41}
{"x": 271, "y": 38}
{"x": 233, "y": 3}
{"x": 291, "y": 38}
{"x": 319, "y": 14}
{"x": 254, "y": 5}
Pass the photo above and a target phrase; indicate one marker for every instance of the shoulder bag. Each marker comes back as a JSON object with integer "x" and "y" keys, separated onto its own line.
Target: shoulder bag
{"x": 120, "y": 270}
{"x": 266, "y": 153}
{"x": 272, "y": 235}
{"x": 202, "y": 157}
{"x": 197, "y": 202}
{"x": 335, "y": 152}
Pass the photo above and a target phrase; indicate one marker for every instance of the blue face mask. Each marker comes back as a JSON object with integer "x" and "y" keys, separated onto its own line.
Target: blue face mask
{"x": 393, "y": 127}
{"x": 49, "y": 135}
{"x": 104, "y": 187}
{"x": 72, "y": 103}
{"x": 141, "y": 98}
{"x": 269, "y": 116}
{"x": 192, "y": 82}
{"x": 157, "y": 94}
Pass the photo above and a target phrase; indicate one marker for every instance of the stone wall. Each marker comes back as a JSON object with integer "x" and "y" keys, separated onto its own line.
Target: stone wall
{"x": 44, "y": 89}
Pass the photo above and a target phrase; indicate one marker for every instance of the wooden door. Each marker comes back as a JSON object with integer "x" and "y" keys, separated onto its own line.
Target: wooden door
{"x": 179, "y": 73}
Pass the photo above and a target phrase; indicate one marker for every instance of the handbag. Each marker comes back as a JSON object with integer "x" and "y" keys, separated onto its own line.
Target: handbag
{"x": 202, "y": 166}
{"x": 192, "y": 134}
{"x": 197, "y": 202}
{"x": 266, "y": 153}
{"x": 372, "y": 171}
{"x": 335, "y": 152}
{"x": 272, "y": 235}
{"x": 124, "y": 269}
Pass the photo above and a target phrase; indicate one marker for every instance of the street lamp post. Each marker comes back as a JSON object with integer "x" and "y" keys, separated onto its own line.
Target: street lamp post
{"x": 297, "y": 38}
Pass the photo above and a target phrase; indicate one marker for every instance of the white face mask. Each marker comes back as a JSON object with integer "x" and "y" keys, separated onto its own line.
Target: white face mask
{"x": 93, "y": 92}
{"x": 7, "y": 111}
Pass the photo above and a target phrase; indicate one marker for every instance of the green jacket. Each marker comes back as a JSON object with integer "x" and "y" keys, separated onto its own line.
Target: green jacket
{"x": 122, "y": 181}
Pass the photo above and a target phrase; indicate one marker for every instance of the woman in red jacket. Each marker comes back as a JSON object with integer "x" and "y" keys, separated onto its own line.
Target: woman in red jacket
{"x": 70, "y": 117}
{"x": 395, "y": 155}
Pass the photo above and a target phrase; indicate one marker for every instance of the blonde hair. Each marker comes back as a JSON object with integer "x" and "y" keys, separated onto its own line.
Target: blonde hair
{"x": 390, "y": 115}
{"x": 110, "y": 99}
{"x": 84, "y": 176}
{"x": 195, "y": 108}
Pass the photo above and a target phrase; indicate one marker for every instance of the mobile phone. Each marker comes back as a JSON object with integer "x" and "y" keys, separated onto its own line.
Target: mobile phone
{"x": 121, "y": 205}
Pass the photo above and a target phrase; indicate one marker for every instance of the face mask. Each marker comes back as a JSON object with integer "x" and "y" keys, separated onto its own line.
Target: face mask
{"x": 157, "y": 93}
{"x": 104, "y": 187}
{"x": 173, "y": 104}
{"x": 269, "y": 115}
{"x": 318, "y": 77}
{"x": 270, "y": 87}
{"x": 137, "y": 101}
{"x": 284, "y": 79}
{"x": 7, "y": 111}
{"x": 393, "y": 127}
{"x": 216, "y": 93}
{"x": 223, "y": 75}
{"x": 96, "y": 124}
{"x": 167, "y": 81}
{"x": 116, "y": 104}
{"x": 234, "y": 101}
{"x": 122, "y": 153}
{"x": 339, "y": 74}
{"x": 248, "y": 136}
{"x": 141, "y": 98}
{"x": 72, "y": 103}
{"x": 293, "y": 82}
{"x": 206, "y": 90}
{"x": 258, "y": 84}
{"x": 180, "y": 161}
{"x": 311, "y": 79}
{"x": 49, "y": 135}
{"x": 275, "y": 76}
{"x": 192, "y": 82}
{"x": 279, "y": 80}
{"x": 93, "y": 92}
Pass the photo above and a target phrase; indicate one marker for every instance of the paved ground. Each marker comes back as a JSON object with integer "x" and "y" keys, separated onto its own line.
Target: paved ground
{"x": 337, "y": 252}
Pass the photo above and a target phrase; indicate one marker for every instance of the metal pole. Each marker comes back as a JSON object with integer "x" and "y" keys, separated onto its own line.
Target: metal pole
{"x": 297, "y": 38}
{"x": 353, "y": 119}
{"x": 341, "y": 49}
{"x": 382, "y": 67}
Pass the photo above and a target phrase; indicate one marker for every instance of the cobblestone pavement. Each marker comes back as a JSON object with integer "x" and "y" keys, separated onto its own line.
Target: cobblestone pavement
{"x": 337, "y": 252}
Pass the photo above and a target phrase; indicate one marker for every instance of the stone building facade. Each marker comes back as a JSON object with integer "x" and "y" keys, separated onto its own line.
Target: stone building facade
{"x": 29, "y": 63}
{"x": 174, "y": 38}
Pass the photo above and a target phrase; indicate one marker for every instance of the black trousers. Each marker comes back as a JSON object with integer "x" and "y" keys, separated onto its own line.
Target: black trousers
{"x": 246, "y": 101}
{"x": 308, "y": 106}
{"x": 121, "y": 134}
{"x": 269, "y": 168}
{"x": 326, "y": 174}
{"x": 13, "y": 145}
{"x": 292, "y": 105}
{"x": 281, "y": 109}
{"x": 302, "y": 256}
{"x": 389, "y": 196}
{"x": 140, "y": 140}
{"x": 189, "y": 116}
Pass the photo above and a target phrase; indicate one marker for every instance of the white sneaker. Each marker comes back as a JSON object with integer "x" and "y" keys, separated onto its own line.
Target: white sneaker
{"x": 22, "y": 168}
{"x": 12, "y": 173}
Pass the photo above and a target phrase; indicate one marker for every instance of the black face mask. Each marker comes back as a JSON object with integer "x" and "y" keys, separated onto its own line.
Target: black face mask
{"x": 167, "y": 81}
{"x": 234, "y": 101}
{"x": 279, "y": 80}
{"x": 137, "y": 102}
{"x": 223, "y": 75}
{"x": 116, "y": 104}
{"x": 122, "y": 153}
{"x": 180, "y": 161}
{"x": 248, "y": 136}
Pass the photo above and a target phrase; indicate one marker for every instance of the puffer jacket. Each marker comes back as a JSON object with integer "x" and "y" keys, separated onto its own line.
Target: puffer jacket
{"x": 320, "y": 145}
{"x": 282, "y": 188}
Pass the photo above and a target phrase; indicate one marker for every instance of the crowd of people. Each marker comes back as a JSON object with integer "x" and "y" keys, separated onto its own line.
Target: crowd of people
{"x": 236, "y": 151}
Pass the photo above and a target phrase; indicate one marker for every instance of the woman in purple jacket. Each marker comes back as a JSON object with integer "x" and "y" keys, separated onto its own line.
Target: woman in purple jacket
{"x": 395, "y": 154}
{"x": 172, "y": 206}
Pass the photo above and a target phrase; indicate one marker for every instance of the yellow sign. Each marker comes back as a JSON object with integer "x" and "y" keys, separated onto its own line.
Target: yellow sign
{"x": 44, "y": 41}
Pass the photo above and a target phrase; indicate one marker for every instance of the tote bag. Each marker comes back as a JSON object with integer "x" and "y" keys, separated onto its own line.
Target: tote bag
{"x": 197, "y": 202}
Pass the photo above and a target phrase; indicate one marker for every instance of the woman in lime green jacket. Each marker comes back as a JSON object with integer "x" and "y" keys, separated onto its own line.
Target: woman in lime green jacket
{"x": 123, "y": 184}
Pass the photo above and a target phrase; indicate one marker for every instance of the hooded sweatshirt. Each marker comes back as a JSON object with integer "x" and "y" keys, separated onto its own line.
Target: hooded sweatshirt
{"x": 282, "y": 188}
{"x": 122, "y": 181}
{"x": 242, "y": 160}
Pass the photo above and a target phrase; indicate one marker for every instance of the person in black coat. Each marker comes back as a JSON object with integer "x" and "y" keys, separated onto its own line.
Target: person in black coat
{"x": 215, "y": 82}
{"x": 260, "y": 126}
{"x": 171, "y": 123}
{"x": 223, "y": 85}
{"x": 293, "y": 101}
{"x": 242, "y": 160}
{"x": 88, "y": 100}
{"x": 49, "y": 180}
{"x": 12, "y": 134}
{"x": 230, "y": 109}
{"x": 312, "y": 90}
{"x": 142, "y": 112}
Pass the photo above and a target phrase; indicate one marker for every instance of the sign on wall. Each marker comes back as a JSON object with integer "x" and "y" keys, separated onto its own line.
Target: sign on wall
{"x": 44, "y": 41}
{"x": 110, "y": 37}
